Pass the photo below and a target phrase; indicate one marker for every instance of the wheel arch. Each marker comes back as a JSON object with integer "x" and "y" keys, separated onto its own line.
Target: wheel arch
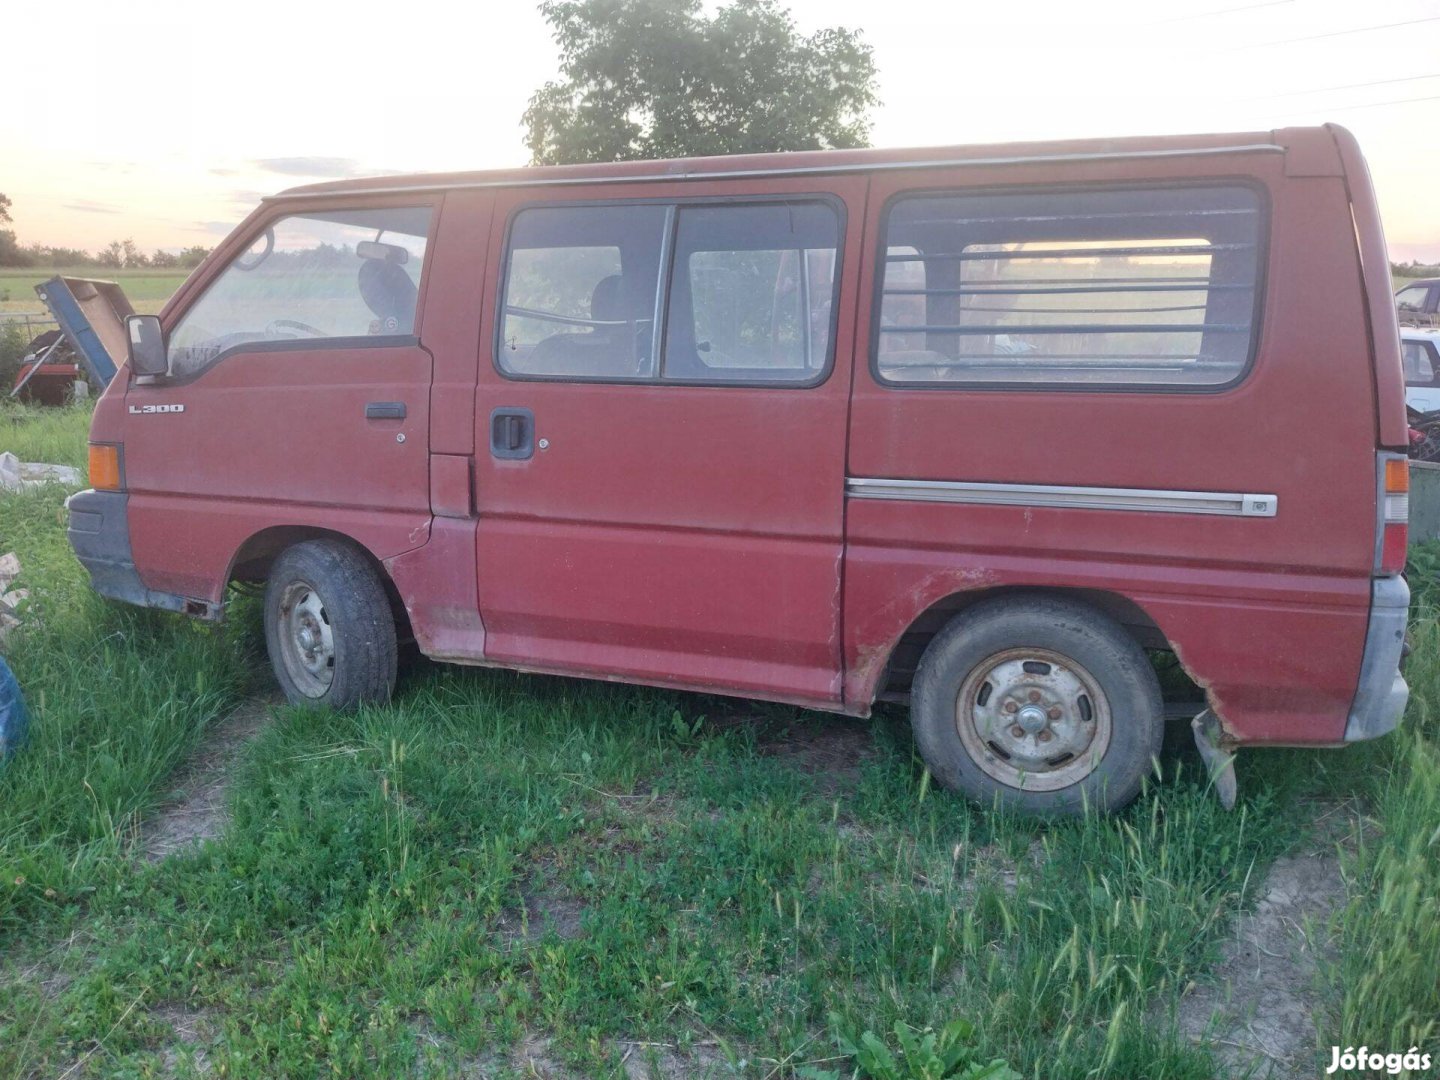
{"x": 252, "y": 561}
{"x": 893, "y": 680}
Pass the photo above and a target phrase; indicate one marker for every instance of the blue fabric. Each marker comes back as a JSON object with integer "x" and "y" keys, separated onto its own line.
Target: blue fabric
{"x": 14, "y": 720}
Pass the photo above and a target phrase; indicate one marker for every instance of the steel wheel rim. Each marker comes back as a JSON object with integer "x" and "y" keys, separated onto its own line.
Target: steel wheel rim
{"x": 307, "y": 641}
{"x": 1033, "y": 719}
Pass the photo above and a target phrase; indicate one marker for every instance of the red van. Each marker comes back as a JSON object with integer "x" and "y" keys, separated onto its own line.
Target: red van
{"x": 975, "y": 428}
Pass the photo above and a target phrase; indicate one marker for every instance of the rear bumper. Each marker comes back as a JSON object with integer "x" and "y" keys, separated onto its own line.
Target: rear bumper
{"x": 99, "y": 534}
{"x": 1381, "y": 696}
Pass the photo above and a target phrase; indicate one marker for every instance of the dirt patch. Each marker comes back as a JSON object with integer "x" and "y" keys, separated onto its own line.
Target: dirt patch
{"x": 199, "y": 812}
{"x": 831, "y": 751}
{"x": 665, "y": 1061}
{"x": 534, "y": 1057}
{"x": 193, "y": 1032}
{"x": 1260, "y": 1012}
{"x": 543, "y": 912}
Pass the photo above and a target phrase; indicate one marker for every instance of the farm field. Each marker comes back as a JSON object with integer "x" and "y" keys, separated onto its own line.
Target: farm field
{"x": 507, "y": 875}
{"x": 147, "y": 289}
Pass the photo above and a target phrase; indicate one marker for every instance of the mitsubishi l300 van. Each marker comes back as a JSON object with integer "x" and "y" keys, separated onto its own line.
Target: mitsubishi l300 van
{"x": 972, "y": 428}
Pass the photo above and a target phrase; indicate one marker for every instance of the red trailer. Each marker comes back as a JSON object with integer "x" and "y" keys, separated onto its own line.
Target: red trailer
{"x": 973, "y": 428}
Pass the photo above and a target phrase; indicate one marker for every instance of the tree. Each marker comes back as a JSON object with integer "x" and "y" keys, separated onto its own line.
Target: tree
{"x": 660, "y": 78}
{"x": 11, "y": 253}
{"x": 122, "y": 254}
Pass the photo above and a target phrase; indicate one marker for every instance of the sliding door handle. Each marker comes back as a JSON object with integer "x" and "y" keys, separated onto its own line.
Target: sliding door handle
{"x": 385, "y": 410}
{"x": 512, "y": 434}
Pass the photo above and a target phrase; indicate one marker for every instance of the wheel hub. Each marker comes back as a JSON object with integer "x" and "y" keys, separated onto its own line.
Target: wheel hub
{"x": 1033, "y": 719}
{"x": 307, "y": 641}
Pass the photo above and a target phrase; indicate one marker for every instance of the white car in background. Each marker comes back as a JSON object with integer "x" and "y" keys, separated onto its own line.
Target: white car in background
{"x": 1421, "y": 352}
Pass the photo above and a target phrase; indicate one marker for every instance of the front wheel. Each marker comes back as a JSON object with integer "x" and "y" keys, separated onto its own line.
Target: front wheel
{"x": 1040, "y": 702}
{"x": 328, "y": 626}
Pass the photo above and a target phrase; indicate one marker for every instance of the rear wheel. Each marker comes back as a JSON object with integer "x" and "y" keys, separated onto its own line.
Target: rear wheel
{"x": 1041, "y": 702}
{"x": 328, "y": 626}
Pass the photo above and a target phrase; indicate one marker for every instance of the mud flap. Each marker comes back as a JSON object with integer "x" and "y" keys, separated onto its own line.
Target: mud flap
{"x": 1219, "y": 762}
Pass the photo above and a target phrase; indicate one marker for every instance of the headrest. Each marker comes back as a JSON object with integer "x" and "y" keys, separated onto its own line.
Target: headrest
{"x": 388, "y": 292}
{"x": 607, "y": 302}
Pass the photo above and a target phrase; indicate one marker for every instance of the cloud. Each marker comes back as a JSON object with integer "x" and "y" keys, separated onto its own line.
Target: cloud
{"x": 329, "y": 168}
{"x": 224, "y": 172}
{"x": 214, "y": 228}
{"x": 246, "y": 198}
{"x": 90, "y": 207}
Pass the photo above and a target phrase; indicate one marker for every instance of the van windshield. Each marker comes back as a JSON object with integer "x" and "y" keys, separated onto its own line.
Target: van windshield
{"x": 333, "y": 274}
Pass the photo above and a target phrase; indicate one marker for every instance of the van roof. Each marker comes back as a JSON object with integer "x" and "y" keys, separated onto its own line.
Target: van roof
{"x": 820, "y": 161}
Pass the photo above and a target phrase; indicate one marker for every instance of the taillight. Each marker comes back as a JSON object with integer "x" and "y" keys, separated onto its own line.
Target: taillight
{"x": 1394, "y": 512}
{"x": 105, "y": 466}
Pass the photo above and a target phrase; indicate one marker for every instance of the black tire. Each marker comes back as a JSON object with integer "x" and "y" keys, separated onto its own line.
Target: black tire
{"x": 329, "y": 589}
{"x": 1057, "y": 662}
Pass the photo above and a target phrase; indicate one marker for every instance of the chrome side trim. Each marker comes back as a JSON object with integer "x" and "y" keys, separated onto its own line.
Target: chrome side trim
{"x": 1075, "y": 498}
{"x": 801, "y": 170}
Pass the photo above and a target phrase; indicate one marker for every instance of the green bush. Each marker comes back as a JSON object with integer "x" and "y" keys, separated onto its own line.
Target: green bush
{"x": 13, "y": 340}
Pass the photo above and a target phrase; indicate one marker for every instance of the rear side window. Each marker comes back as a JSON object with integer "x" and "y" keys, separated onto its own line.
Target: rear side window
{"x": 1101, "y": 288}
{"x": 580, "y": 292}
{"x": 752, "y": 293}
{"x": 697, "y": 292}
{"x": 310, "y": 278}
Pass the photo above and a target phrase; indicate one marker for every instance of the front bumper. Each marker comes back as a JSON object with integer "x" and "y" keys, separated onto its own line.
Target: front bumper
{"x": 1381, "y": 696}
{"x": 99, "y": 533}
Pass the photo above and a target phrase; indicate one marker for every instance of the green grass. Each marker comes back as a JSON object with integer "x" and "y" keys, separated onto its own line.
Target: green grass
{"x": 1390, "y": 985}
{"x": 496, "y": 867}
{"x": 119, "y": 695}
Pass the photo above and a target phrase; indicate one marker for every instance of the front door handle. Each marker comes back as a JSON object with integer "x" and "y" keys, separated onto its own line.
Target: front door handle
{"x": 385, "y": 410}
{"x": 512, "y": 434}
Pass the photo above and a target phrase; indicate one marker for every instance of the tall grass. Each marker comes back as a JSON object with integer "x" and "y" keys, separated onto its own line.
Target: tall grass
{"x": 117, "y": 696}
{"x": 1390, "y": 928}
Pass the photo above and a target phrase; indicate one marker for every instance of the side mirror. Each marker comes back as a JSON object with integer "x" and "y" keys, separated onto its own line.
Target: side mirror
{"x": 147, "y": 345}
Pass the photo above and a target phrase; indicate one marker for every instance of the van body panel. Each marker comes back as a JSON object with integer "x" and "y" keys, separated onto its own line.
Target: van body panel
{"x": 198, "y": 562}
{"x": 278, "y": 434}
{"x": 1393, "y": 427}
{"x": 1277, "y": 650}
{"x": 1269, "y": 613}
{"x": 437, "y": 585}
{"x": 783, "y": 167}
{"x": 686, "y": 534}
{"x": 458, "y": 280}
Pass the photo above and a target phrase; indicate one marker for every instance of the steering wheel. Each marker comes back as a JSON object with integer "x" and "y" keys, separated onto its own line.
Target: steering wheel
{"x": 276, "y": 325}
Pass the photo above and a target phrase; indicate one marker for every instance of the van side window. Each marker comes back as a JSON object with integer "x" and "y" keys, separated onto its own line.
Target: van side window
{"x": 331, "y": 274}
{"x": 1108, "y": 288}
{"x": 752, "y": 293}
{"x": 580, "y": 292}
{"x": 1419, "y": 370}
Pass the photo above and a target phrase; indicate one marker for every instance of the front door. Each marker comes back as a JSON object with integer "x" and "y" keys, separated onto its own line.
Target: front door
{"x": 661, "y": 433}
{"x": 298, "y": 395}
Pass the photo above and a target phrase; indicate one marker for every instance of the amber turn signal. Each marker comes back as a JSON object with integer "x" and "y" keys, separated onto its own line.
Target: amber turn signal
{"x": 104, "y": 467}
{"x": 1397, "y": 475}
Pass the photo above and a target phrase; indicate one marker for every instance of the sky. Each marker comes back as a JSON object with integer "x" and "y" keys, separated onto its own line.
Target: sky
{"x": 166, "y": 122}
